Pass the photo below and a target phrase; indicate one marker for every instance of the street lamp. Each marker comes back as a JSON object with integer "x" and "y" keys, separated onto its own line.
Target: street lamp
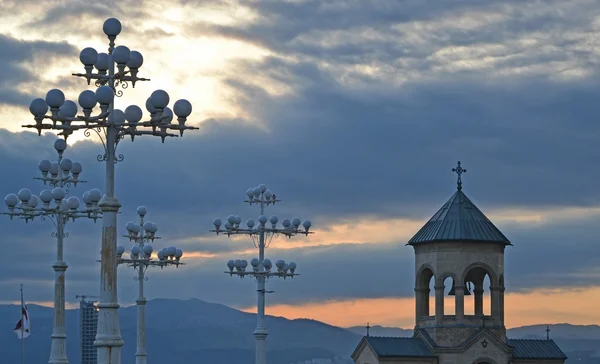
{"x": 56, "y": 206}
{"x": 261, "y": 267}
{"x": 111, "y": 125}
{"x": 140, "y": 258}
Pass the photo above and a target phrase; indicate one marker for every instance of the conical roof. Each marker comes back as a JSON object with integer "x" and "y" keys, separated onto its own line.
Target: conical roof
{"x": 459, "y": 220}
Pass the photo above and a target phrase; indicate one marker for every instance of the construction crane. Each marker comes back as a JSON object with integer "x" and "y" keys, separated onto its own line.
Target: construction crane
{"x": 83, "y": 297}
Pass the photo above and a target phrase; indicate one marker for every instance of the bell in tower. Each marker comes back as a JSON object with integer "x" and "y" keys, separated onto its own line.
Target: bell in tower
{"x": 467, "y": 289}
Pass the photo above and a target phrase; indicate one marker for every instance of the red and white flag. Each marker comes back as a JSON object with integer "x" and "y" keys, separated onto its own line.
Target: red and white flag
{"x": 22, "y": 328}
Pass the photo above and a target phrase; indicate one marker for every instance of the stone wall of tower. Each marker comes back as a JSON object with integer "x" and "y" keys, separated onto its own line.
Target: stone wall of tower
{"x": 456, "y": 335}
{"x": 476, "y": 353}
{"x": 455, "y": 259}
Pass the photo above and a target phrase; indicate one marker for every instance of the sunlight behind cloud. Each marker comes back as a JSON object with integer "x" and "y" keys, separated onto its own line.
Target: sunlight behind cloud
{"x": 185, "y": 65}
{"x": 13, "y": 117}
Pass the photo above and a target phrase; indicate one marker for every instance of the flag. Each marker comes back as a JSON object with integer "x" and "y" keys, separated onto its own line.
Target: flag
{"x": 22, "y": 328}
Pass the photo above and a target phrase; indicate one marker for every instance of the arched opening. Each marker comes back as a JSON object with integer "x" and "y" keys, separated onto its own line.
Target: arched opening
{"x": 449, "y": 300}
{"x": 487, "y": 297}
{"x": 431, "y": 296}
{"x": 423, "y": 292}
{"x": 479, "y": 279}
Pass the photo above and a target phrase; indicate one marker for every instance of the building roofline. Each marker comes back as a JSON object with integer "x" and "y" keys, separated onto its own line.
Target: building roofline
{"x": 459, "y": 219}
{"x": 505, "y": 243}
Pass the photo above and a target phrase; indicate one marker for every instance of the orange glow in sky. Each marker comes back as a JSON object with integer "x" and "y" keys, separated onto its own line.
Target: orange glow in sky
{"x": 578, "y": 307}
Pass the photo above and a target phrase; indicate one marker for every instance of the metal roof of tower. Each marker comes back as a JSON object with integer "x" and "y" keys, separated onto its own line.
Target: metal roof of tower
{"x": 459, "y": 220}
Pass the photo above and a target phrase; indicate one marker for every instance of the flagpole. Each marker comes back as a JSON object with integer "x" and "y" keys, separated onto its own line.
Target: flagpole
{"x": 22, "y": 329}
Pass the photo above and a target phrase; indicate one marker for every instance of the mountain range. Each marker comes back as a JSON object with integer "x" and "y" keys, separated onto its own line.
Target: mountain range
{"x": 186, "y": 331}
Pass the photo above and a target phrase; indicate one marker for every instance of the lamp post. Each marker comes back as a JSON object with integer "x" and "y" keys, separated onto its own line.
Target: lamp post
{"x": 111, "y": 125}
{"x": 142, "y": 234}
{"x": 59, "y": 209}
{"x": 261, "y": 267}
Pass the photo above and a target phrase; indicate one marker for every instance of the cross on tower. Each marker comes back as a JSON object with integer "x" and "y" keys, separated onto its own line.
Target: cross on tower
{"x": 547, "y": 332}
{"x": 368, "y": 327}
{"x": 459, "y": 171}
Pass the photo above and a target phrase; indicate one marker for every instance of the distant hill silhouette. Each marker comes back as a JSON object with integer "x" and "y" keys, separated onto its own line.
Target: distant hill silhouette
{"x": 182, "y": 331}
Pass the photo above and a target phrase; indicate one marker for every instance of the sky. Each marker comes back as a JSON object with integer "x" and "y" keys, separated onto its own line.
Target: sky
{"x": 353, "y": 113}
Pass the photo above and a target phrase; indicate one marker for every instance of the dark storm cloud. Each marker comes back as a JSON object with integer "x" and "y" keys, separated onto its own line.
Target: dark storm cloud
{"x": 520, "y": 127}
{"x": 17, "y": 65}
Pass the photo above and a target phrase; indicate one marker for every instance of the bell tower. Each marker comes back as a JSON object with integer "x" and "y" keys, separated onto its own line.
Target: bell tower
{"x": 459, "y": 297}
{"x": 456, "y": 251}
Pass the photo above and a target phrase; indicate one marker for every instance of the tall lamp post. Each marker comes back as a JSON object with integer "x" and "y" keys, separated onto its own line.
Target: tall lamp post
{"x": 261, "y": 267}
{"x": 142, "y": 234}
{"x": 59, "y": 208}
{"x": 111, "y": 125}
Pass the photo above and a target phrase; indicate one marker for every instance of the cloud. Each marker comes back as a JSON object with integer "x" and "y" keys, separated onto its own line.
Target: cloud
{"x": 355, "y": 271}
{"x": 73, "y": 11}
{"x": 18, "y": 65}
{"x": 355, "y": 120}
{"x": 144, "y": 19}
{"x": 385, "y": 165}
{"x": 327, "y": 272}
{"x": 398, "y": 41}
